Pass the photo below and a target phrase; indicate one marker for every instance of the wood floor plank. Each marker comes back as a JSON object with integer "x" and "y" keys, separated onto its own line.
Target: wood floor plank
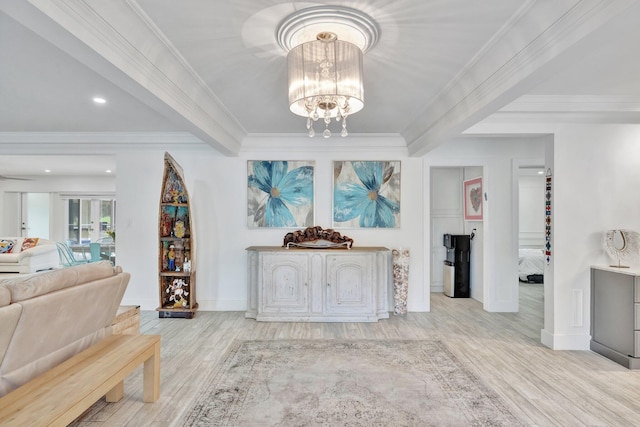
{"x": 541, "y": 386}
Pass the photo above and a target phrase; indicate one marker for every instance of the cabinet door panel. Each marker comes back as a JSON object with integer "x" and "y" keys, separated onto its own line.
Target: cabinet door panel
{"x": 350, "y": 284}
{"x": 285, "y": 287}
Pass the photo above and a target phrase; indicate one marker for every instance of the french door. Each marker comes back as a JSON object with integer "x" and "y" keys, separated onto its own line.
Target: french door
{"x": 89, "y": 219}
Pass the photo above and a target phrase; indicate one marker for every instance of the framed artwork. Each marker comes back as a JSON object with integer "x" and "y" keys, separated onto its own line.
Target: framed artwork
{"x": 280, "y": 193}
{"x": 366, "y": 194}
{"x": 472, "y": 190}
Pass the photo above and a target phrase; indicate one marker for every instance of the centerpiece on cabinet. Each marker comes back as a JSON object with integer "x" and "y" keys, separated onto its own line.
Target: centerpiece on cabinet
{"x": 317, "y": 238}
{"x": 177, "y": 275}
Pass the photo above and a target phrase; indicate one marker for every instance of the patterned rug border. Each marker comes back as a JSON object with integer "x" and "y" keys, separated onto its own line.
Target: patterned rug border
{"x": 462, "y": 381}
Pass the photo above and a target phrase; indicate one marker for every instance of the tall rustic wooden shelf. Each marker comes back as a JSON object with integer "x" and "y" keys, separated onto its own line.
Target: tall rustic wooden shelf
{"x": 176, "y": 254}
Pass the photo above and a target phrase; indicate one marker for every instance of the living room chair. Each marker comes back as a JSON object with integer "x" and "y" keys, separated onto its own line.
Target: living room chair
{"x": 94, "y": 251}
{"x": 67, "y": 257}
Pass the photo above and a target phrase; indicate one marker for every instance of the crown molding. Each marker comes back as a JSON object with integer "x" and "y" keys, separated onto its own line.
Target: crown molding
{"x": 584, "y": 109}
{"x": 49, "y": 143}
{"x": 366, "y": 143}
{"x": 498, "y": 75}
{"x": 133, "y": 52}
{"x": 574, "y": 103}
{"x": 116, "y": 138}
{"x": 46, "y": 143}
{"x": 580, "y": 117}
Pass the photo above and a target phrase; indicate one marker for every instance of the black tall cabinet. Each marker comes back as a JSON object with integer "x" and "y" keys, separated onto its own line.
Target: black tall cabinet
{"x": 457, "y": 265}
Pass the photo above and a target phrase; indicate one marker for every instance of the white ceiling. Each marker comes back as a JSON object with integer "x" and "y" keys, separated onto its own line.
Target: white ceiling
{"x": 213, "y": 68}
{"x": 45, "y": 90}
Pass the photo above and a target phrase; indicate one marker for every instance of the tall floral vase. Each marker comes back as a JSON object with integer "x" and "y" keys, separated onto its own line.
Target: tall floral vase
{"x": 400, "y": 280}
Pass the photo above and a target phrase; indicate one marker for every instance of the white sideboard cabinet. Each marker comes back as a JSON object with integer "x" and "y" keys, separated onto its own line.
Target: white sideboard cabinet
{"x": 318, "y": 285}
{"x": 615, "y": 314}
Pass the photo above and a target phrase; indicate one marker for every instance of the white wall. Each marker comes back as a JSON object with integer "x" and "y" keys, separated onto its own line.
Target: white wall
{"x": 10, "y": 212}
{"x": 596, "y": 187}
{"x": 218, "y": 190}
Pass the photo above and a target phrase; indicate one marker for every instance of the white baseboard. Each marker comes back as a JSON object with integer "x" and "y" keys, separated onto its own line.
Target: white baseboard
{"x": 203, "y": 305}
{"x": 564, "y": 341}
{"x": 223, "y": 305}
{"x": 145, "y": 304}
{"x": 435, "y": 289}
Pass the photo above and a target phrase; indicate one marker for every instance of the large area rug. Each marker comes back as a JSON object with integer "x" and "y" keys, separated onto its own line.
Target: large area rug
{"x": 345, "y": 383}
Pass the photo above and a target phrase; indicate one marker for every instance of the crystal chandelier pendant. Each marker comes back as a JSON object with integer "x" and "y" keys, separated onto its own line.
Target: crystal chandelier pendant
{"x": 344, "y": 132}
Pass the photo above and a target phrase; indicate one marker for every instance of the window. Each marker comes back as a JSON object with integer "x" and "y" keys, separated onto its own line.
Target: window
{"x": 89, "y": 219}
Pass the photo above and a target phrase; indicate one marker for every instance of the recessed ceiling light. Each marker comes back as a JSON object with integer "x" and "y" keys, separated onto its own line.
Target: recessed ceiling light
{"x": 108, "y": 171}
{"x": 540, "y": 172}
{"x": 99, "y": 100}
{"x": 47, "y": 170}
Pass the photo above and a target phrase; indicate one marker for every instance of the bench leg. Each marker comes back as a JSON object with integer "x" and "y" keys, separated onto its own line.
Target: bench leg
{"x": 151, "y": 376}
{"x": 116, "y": 393}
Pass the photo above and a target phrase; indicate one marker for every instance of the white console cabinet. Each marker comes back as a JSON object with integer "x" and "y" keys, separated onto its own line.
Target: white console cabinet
{"x": 318, "y": 285}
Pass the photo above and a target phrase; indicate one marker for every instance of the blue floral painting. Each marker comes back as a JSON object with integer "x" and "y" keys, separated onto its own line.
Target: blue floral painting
{"x": 280, "y": 193}
{"x": 366, "y": 194}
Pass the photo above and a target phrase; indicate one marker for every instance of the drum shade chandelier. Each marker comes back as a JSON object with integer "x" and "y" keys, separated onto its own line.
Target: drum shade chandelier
{"x": 325, "y": 72}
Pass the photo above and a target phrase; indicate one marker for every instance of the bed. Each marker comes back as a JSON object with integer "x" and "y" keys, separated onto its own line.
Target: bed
{"x": 531, "y": 265}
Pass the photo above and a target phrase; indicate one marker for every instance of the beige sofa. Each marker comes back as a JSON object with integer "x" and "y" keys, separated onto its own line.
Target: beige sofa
{"x": 43, "y": 256}
{"x": 45, "y": 318}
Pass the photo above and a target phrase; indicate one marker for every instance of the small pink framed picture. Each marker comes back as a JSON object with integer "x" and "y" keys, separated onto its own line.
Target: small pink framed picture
{"x": 472, "y": 190}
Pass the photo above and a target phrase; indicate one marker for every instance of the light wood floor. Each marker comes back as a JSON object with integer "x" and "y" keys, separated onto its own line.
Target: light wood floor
{"x": 543, "y": 387}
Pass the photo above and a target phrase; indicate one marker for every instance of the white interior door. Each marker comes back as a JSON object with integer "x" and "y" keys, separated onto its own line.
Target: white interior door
{"x": 35, "y": 215}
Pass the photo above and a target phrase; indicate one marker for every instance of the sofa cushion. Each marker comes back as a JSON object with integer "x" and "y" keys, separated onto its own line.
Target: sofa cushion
{"x": 10, "y": 258}
{"x": 29, "y": 242}
{"x": 5, "y": 296}
{"x": 33, "y": 285}
{"x": 7, "y": 245}
{"x": 9, "y": 317}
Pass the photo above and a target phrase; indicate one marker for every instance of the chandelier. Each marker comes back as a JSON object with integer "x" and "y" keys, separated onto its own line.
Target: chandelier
{"x": 325, "y": 81}
{"x": 325, "y": 72}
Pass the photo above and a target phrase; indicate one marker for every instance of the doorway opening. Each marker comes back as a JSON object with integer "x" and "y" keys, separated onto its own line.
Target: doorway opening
{"x": 447, "y": 217}
{"x": 531, "y": 240}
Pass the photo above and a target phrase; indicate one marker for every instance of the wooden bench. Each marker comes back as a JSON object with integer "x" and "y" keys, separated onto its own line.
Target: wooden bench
{"x": 63, "y": 393}
{"x": 127, "y": 320}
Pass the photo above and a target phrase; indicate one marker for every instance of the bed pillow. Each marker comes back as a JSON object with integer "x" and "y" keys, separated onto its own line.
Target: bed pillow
{"x": 29, "y": 242}
{"x": 6, "y": 246}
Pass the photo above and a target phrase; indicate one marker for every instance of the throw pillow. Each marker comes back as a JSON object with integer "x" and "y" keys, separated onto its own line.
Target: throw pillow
{"x": 29, "y": 242}
{"x": 6, "y": 246}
